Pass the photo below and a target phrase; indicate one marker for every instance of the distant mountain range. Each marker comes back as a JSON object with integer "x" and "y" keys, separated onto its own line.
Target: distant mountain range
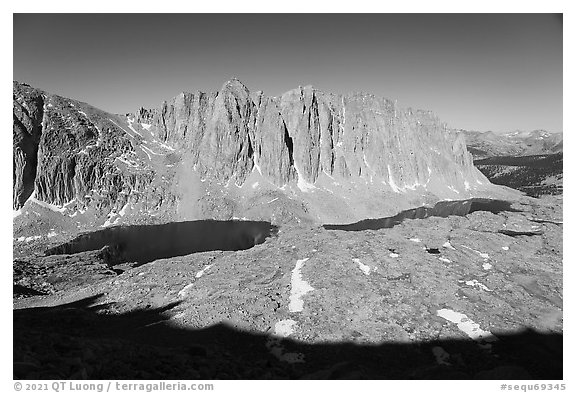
{"x": 518, "y": 143}
{"x": 529, "y": 161}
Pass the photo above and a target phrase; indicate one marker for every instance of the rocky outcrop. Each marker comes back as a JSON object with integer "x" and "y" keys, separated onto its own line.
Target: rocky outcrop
{"x": 306, "y": 132}
{"x": 67, "y": 152}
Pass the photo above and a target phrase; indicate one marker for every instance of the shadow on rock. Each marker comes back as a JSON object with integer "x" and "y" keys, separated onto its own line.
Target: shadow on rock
{"x": 86, "y": 340}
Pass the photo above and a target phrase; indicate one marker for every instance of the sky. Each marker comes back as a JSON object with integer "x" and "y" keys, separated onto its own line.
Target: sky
{"x": 482, "y": 72}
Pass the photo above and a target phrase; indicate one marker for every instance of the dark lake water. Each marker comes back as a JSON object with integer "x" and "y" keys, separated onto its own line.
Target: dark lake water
{"x": 440, "y": 209}
{"x": 146, "y": 243}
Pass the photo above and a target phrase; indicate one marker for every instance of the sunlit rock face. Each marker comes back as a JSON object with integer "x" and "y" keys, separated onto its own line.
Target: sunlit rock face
{"x": 324, "y": 157}
{"x": 306, "y": 132}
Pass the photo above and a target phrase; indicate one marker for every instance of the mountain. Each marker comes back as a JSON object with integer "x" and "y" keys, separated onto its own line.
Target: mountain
{"x": 304, "y": 156}
{"x": 531, "y": 162}
{"x": 183, "y": 242}
{"x": 518, "y": 143}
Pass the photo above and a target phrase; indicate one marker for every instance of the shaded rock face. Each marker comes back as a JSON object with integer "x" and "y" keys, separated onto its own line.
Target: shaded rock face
{"x": 65, "y": 151}
{"x": 306, "y": 132}
{"x": 28, "y": 112}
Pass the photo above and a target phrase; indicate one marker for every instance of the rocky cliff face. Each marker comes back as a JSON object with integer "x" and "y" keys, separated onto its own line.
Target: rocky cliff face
{"x": 189, "y": 151}
{"x": 67, "y": 152}
{"x": 306, "y": 132}
{"x": 28, "y": 114}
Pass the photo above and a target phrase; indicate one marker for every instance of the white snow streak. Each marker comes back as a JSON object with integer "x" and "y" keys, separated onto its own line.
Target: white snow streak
{"x": 201, "y": 272}
{"x": 466, "y": 325}
{"x": 299, "y": 287}
{"x": 365, "y": 268}
{"x": 476, "y": 283}
{"x": 391, "y": 181}
{"x": 302, "y": 184}
{"x": 54, "y": 208}
{"x": 482, "y": 254}
{"x": 448, "y": 245}
{"x": 130, "y": 121}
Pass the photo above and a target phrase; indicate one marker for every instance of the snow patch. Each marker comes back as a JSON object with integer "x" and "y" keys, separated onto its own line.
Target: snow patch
{"x": 466, "y": 325}
{"x": 257, "y": 166}
{"x": 146, "y": 126}
{"x": 505, "y": 248}
{"x": 443, "y": 259}
{"x": 165, "y": 146}
{"x": 415, "y": 240}
{"x": 255, "y": 185}
{"x": 142, "y": 148}
{"x": 151, "y": 151}
{"x": 201, "y": 272}
{"x": 16, "y": 213}
{"x": 482, "y": 254}
{"x": 54, "y": 208}
{"x": 130, "y": 122}
{"x": 110, "y": 220}
{"x": 123, "y": 210}
{"x": 275, "y": 199}
{"x": 127, "y": 161}
{"x": 453, "y": 189}
{"x": 448, "y": 245}
{"x": 184, "y": 291}
{"x": 486, "y": 266}
{"x": 285, "y": 327}
{"x": 28, "y": 239}
{"x": 302, "y": 184}
{"x": 393, "y": 255}
{"x": 123, "y": 129}
{"x": 391, "y": 181}
{"x": 299, "y": 287}
{"x": 475, "y": 283}
{"x": 365, "y": 268}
